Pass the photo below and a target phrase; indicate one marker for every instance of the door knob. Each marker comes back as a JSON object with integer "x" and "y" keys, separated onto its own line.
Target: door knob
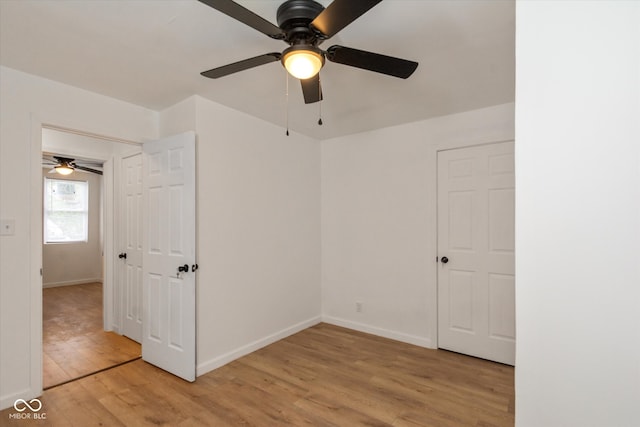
{"x": 183, "y": 268}
{"x": 123, "y": 255}
{"x": 444, "y": 259}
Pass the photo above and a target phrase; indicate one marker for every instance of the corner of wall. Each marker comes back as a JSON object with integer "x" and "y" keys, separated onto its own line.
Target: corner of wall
{"x": 381, "y": 332}
{"x": 178, "y": 118}
{"x": 221, "y": 360}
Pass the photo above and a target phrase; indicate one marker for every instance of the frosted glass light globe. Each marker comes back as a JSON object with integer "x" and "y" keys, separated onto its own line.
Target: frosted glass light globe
{"x": 302, "y": 63}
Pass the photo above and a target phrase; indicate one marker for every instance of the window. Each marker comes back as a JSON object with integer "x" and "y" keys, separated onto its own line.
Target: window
{"x": 66, "y": 210}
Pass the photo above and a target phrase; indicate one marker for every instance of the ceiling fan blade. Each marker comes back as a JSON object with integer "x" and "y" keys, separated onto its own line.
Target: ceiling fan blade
{"x": 237, "y": 12}
{"x": 84, "y": 168}
{"x": 225, "y": 70}
{"x": 311, "y": 89}
{"x": 339, "y": 14}
{"x": 63, "y": 159}
{"x": 88, "y": 163}
{"x": 389, "y": 65}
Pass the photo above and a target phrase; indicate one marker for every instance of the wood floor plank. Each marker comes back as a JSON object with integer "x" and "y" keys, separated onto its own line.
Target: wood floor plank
{"x": 52, "y": 373}
{"x": 322, "y": 376}
{"x": 74, "y": 342}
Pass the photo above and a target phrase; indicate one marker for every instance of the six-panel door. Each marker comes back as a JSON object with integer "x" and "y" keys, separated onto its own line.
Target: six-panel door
{"x": 169, "y": 339}
{"x": 476, "y": 287}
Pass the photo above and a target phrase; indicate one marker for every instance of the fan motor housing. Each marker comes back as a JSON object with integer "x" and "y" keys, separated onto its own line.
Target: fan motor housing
{"x": 294, "y": 17}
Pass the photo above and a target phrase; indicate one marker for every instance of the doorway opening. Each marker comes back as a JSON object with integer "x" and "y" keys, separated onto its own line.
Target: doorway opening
{"x": 78, "y": 290}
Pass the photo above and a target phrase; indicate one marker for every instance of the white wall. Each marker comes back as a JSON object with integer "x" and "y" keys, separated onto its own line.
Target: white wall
{"x": 379, "y": 221}
{"x": 25, "y": 102}
{"x": 578, "y": 213}
{"x": 258, "y": 208}
{"x": 76, "y": 262}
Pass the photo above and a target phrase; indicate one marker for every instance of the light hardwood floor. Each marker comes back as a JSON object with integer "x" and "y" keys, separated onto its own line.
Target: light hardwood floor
{"x": 322, "y": 376}
{"x": 74, "y": 342}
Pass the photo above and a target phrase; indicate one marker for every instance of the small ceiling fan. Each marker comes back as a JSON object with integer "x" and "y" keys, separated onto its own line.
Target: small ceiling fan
{"x": 66, "y": 165}
{"x": 304, "y": 25}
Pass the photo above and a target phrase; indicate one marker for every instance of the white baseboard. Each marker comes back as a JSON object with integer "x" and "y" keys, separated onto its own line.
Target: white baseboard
{"x": 374, "y": 330}
{"x": 217, "y": 362}
{"x": 71, "y": 282}
{"x": 7, "y": 401}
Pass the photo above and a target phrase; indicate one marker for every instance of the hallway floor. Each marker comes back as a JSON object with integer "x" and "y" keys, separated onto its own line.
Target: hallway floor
{"x": 74, "y": 341}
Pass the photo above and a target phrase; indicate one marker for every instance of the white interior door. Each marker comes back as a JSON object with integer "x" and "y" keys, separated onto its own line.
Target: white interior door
{"x": 131, "y": 255}
{"x": 476, "y": 238}
{"x": 169, "y": 317}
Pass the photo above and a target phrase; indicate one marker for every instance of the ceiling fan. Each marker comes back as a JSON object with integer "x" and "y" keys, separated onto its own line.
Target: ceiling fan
{"x": 304, "y": 25}
{"x": 66, "y": 165}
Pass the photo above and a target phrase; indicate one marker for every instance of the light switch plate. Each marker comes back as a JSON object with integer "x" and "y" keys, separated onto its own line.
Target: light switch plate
{"x": 7, "y": 227}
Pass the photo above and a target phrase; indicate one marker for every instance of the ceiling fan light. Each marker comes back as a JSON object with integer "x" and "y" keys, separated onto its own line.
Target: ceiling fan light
{"x": 63, "y": 169}
{"x": 303, "y": 62}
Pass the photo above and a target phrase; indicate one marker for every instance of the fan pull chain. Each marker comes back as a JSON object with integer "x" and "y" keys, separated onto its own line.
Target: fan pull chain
{"x": 287, "y": 101}
{"x": 319, "y": 102}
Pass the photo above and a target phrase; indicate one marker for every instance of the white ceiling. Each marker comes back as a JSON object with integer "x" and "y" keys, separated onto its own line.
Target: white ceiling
{"x": 151, "y": 53}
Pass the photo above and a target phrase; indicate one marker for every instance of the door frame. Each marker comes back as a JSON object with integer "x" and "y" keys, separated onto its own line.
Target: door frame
{"x": 432, "y": 194}
{"x": 36, "y": 237}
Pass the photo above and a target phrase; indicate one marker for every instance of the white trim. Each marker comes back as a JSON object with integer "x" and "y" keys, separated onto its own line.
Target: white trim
{"x": 108, "y": 242}
{"x": 89, "y": 134}
{"x": 228, "y": 357}
{"x": 35, "y": 237}
{"x": 385, "y": 333}
{"x": 8, "y": 400}
{"x": 71, "y": 282}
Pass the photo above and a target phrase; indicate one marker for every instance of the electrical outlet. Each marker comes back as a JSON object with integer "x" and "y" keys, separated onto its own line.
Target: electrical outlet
{"x": 358, "y": 306}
